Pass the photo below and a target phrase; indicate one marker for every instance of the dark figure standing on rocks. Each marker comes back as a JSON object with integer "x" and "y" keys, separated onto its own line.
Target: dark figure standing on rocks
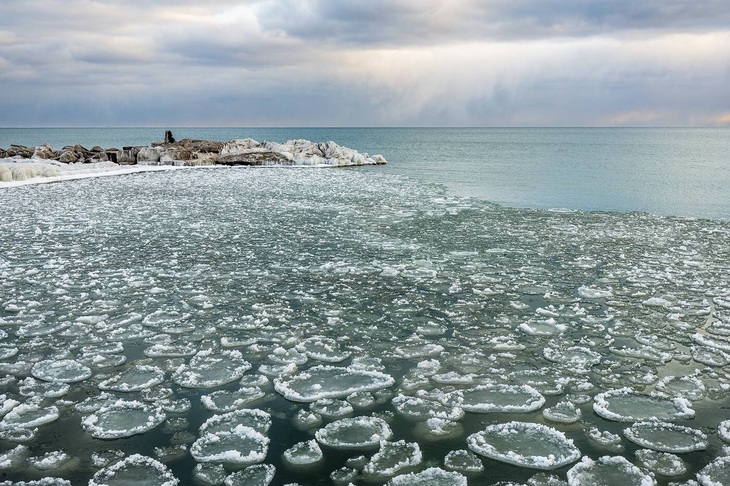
{"x": 168, "y": 137}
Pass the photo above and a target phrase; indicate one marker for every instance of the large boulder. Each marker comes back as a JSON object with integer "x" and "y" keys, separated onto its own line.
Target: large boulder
{"x": 44, "y": 151}
{"x": 69, "y": 157}
{"x": 149, "y": 155}
{"x": 170, "y": 155}
{"x": 240, "y": 146}
{"x": 20, "y": 151}
{"x": 98, "y": 157}
{"x": 255, "y": 157}
{"x": 127, "y": 156}
{"x": 200, "y": 146}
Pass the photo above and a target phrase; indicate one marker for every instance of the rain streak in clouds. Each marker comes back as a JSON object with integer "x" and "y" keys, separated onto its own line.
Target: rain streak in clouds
{"x": 365, "y": 62}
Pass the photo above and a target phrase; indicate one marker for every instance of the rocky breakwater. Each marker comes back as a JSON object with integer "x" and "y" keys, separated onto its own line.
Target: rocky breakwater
{"x": 250, "y": 152}
{"x": 19, "y": 163}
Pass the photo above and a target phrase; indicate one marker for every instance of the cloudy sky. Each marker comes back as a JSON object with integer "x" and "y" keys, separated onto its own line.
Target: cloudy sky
{"x": 364, "y": 63}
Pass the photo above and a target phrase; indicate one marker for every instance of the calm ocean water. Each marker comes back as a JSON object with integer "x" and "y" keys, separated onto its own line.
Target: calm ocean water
{"x": 664, "y": 171}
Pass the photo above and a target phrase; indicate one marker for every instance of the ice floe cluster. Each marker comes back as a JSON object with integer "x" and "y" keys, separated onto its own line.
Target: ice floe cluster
{"x": 295, "y": 327}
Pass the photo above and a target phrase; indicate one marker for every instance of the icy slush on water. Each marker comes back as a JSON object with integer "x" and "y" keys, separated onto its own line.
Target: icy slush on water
{"x": 237, "y": 326}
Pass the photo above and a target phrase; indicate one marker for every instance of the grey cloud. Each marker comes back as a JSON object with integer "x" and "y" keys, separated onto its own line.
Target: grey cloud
{"x": 426, "y": 22}
{"x": 318, "y": 62}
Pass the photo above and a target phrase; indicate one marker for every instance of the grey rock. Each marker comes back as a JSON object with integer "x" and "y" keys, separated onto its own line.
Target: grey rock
{"x": 148, "y": 155}
{"x": 69, "y": 157}
{"x": 44, "y": 151}
{"x": 128, "y": 156}
{"x": 253, "y": 157}
{"x": 21, "y": 151}
{"x": 176, "y": 153}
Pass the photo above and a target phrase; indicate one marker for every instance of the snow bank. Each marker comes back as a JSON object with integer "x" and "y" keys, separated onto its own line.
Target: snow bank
{"x": 16, "y": 172}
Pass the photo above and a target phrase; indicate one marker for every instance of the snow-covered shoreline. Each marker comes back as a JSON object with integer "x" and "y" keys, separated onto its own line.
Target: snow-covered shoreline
{"x": 47, "y": 171}
{"x": 34, "y": 165}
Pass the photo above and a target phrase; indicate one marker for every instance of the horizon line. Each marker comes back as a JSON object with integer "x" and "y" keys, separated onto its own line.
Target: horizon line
{"x": 309, "y": 127}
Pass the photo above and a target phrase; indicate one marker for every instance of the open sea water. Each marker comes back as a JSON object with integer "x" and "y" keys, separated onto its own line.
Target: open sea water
{"x": 664, "y": 171}
{"x": 527, "y": 305}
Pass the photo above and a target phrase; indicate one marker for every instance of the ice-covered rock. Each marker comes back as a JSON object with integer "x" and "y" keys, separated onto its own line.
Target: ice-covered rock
{"x": 525, "y": 444}
{"x": 147, "y": 155}
{"x": 293, "y": 152}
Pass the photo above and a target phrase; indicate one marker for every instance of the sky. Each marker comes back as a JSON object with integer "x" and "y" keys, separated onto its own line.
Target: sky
{"x": 364, "y": 63}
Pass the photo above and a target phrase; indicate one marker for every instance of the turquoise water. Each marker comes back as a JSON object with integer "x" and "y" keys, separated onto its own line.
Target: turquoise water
{"x": 664, "y": 171}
